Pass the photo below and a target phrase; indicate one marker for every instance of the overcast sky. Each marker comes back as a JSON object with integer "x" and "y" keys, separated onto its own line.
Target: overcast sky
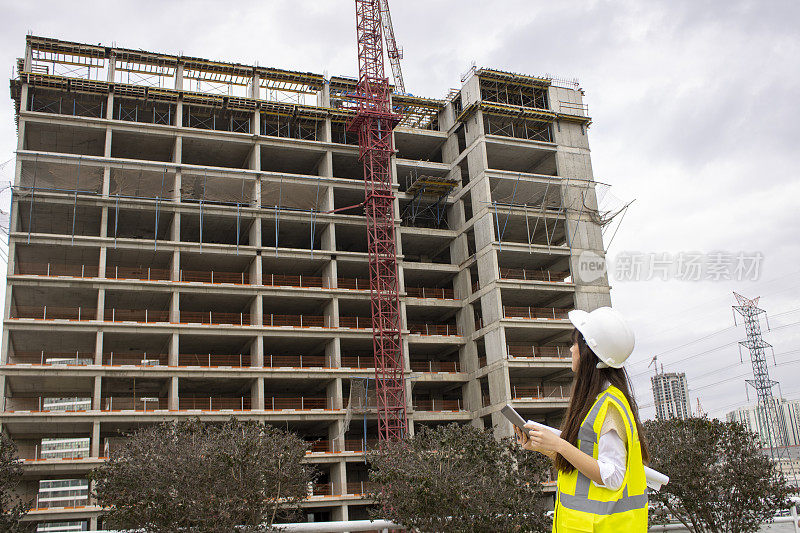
{"x": 695, "y": 117}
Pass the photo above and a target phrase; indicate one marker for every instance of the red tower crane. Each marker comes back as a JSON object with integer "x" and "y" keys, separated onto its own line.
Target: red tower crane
{"x": 374, "y": 122}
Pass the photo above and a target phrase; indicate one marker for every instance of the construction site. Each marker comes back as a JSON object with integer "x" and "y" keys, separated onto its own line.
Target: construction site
{"x": 334, "y": 255}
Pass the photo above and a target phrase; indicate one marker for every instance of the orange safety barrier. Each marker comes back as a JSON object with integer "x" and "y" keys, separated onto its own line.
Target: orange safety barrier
{"x": 431, "y": 292}
{"x": 215, "y": 317}
{"x": 51, "y": 358}
{"x": 211, "y": 360}
{"x": 214, "y": 404}
{"x": 136, "y": 359}
{"x": 296, "y": 321}
{"x": 320, "y": 446}
{"x": 434, "y": 366}
{"x": 357, "y": 445}
{"x": 295, "y": 361}
{"x": 533, "y": 275}
{"x": 361, "y": 487}
{"x": 526, "y": 350}
{"x": 298, "y": 403}
{"x": 322, "y": 489}
{"x": 357, "y": 361}
{"x": 146, "y": 316}
{"x": 290, "y": 280}
{"x": 214, "y": 276}
{"x": 541, "y": 392}
{"x": 48, "y": 312}
{"x": 56, "y": 269}
{"x": 437, "y": 405}
{"x": 550, "y": 313}
{"x": 38, "y": 404}
{"x": 355, "y": 284}
{"x": 355, "y": 322}
{"x": 433, "y": 329}
{"x": 140, "y": 273}
{"x": 142, "y": 403}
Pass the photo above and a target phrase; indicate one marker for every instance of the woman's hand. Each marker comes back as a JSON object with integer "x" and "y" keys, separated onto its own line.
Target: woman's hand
{"x": 542, "y": 440}
{"x": 527, "y": 444}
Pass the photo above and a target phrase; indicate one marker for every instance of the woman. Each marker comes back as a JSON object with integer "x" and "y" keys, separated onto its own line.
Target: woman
{"x": 601, "y": 453}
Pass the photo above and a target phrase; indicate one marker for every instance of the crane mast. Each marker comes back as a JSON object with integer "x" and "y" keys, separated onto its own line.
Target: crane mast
{"x": 395, "y": 54}
{"x": 374, "y": 122}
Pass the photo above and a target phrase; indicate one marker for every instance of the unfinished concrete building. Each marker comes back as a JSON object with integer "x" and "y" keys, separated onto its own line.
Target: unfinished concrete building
{"x": 186, "y": 240}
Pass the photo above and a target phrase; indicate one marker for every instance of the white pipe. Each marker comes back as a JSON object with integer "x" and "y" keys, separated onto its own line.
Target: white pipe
{"x": 337, "y": 527}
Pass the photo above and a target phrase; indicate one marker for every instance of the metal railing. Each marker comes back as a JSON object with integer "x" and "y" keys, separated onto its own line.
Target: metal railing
{"x": 355, "y": 322}
{"x": 437, "y": 405}
{"x": 547, "y": 313}
{"x": 361, "y": 487}
{"x": 213, "y": 360}
{"x": 140, "y": 273}
{"x": 56, "y": 269}
{"x": 434, "y": 366}
{"x": 358, "y": 361}
{"x": 296, "y": 321}
{"x": 214, "y": 404}
{"x": 533, "y": 275}
{"x": 295, "y": 361}
{"x": 39, "y": 404}
{"x": 214, "y": 318}
{"x": 358, "y": 445}
{"x": 212, "y": 276}
{"x": 526, "y": 350}
{"x": 146, "y": 316}
{"x": 286, "y": 280}
{"x": 354, "y": 284}
{"x": 51, "y": 358}
{"x": 135, "y": 359}
{"x": 439, "y": 293}
{"x": 142, "y": 403}
{"x": 541, "y": 392}
{"x": 300, "y": 403}
{"x": 433, "y": 329}
{"x": 49, "y": 312}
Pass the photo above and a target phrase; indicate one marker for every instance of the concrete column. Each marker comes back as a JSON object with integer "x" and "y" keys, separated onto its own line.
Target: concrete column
{"x": 174, "y": 350}
{"x": 325, "y": 166}
{"x": 101, "y": 263}
{"x": 256, "y": 271}
{"x": 340, "y": 513}
{"x": 333, "y": 353}
{"x": 255, "y": 94}
{"x": 173, "y": 398}
{"x": 98, "y": 348}
{"x": 332, "y": 313}
{"x": 254, "y": 235}
{"x": 330, "y": 276}
{"x": 257, "y": 352}
{"x": 107, "y": 147}
{"x": 328, "y": 237}
{"x": 97, "y": 393}
{"x": 339, "y": 477}
{"x": 257, "y": 311}
{"x": 175, "y": 274}
{"x": 175, "y": 308}
{"x": 257, "y": 394}
{"x": 95, "y": 441}
{"x": 101, "y": 304}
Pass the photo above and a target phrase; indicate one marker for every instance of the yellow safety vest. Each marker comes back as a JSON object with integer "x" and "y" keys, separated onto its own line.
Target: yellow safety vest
{"x": 583, "y": 506}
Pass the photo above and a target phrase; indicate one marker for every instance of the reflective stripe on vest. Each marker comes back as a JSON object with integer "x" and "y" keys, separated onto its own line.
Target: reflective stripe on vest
{"x": 588, "y": 438}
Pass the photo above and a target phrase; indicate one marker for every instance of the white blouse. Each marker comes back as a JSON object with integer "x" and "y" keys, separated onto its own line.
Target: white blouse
{"x": 612, "y": 453}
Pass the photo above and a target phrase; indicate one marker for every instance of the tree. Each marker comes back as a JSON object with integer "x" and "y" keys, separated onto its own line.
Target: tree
{"x": 197, "y": 477}
{"x": 459, "y": 479}
{"x": 12, "y": 507}
{"x": 719, "y": 478}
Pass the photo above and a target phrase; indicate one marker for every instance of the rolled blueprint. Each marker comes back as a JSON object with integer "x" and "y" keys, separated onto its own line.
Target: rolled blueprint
{"x": 655, "y": 479}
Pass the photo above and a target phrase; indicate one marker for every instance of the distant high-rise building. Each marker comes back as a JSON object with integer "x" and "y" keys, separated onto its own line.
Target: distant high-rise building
{"x": 671, "y": 395}
{"x": 788, "y": 410}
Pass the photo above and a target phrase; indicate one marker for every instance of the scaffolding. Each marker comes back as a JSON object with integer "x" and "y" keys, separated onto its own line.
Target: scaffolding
{"x": 428, "y": 205}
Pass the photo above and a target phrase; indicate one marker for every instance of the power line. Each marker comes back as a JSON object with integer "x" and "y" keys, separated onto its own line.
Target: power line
{"x": 714, "y": 333}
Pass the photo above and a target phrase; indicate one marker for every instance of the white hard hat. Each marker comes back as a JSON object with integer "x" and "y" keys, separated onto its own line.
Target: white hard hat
{"x": 607, "y": 334}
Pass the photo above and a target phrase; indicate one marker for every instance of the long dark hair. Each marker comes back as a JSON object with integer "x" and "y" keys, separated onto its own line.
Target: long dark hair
{"x": 587, "y": 386}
